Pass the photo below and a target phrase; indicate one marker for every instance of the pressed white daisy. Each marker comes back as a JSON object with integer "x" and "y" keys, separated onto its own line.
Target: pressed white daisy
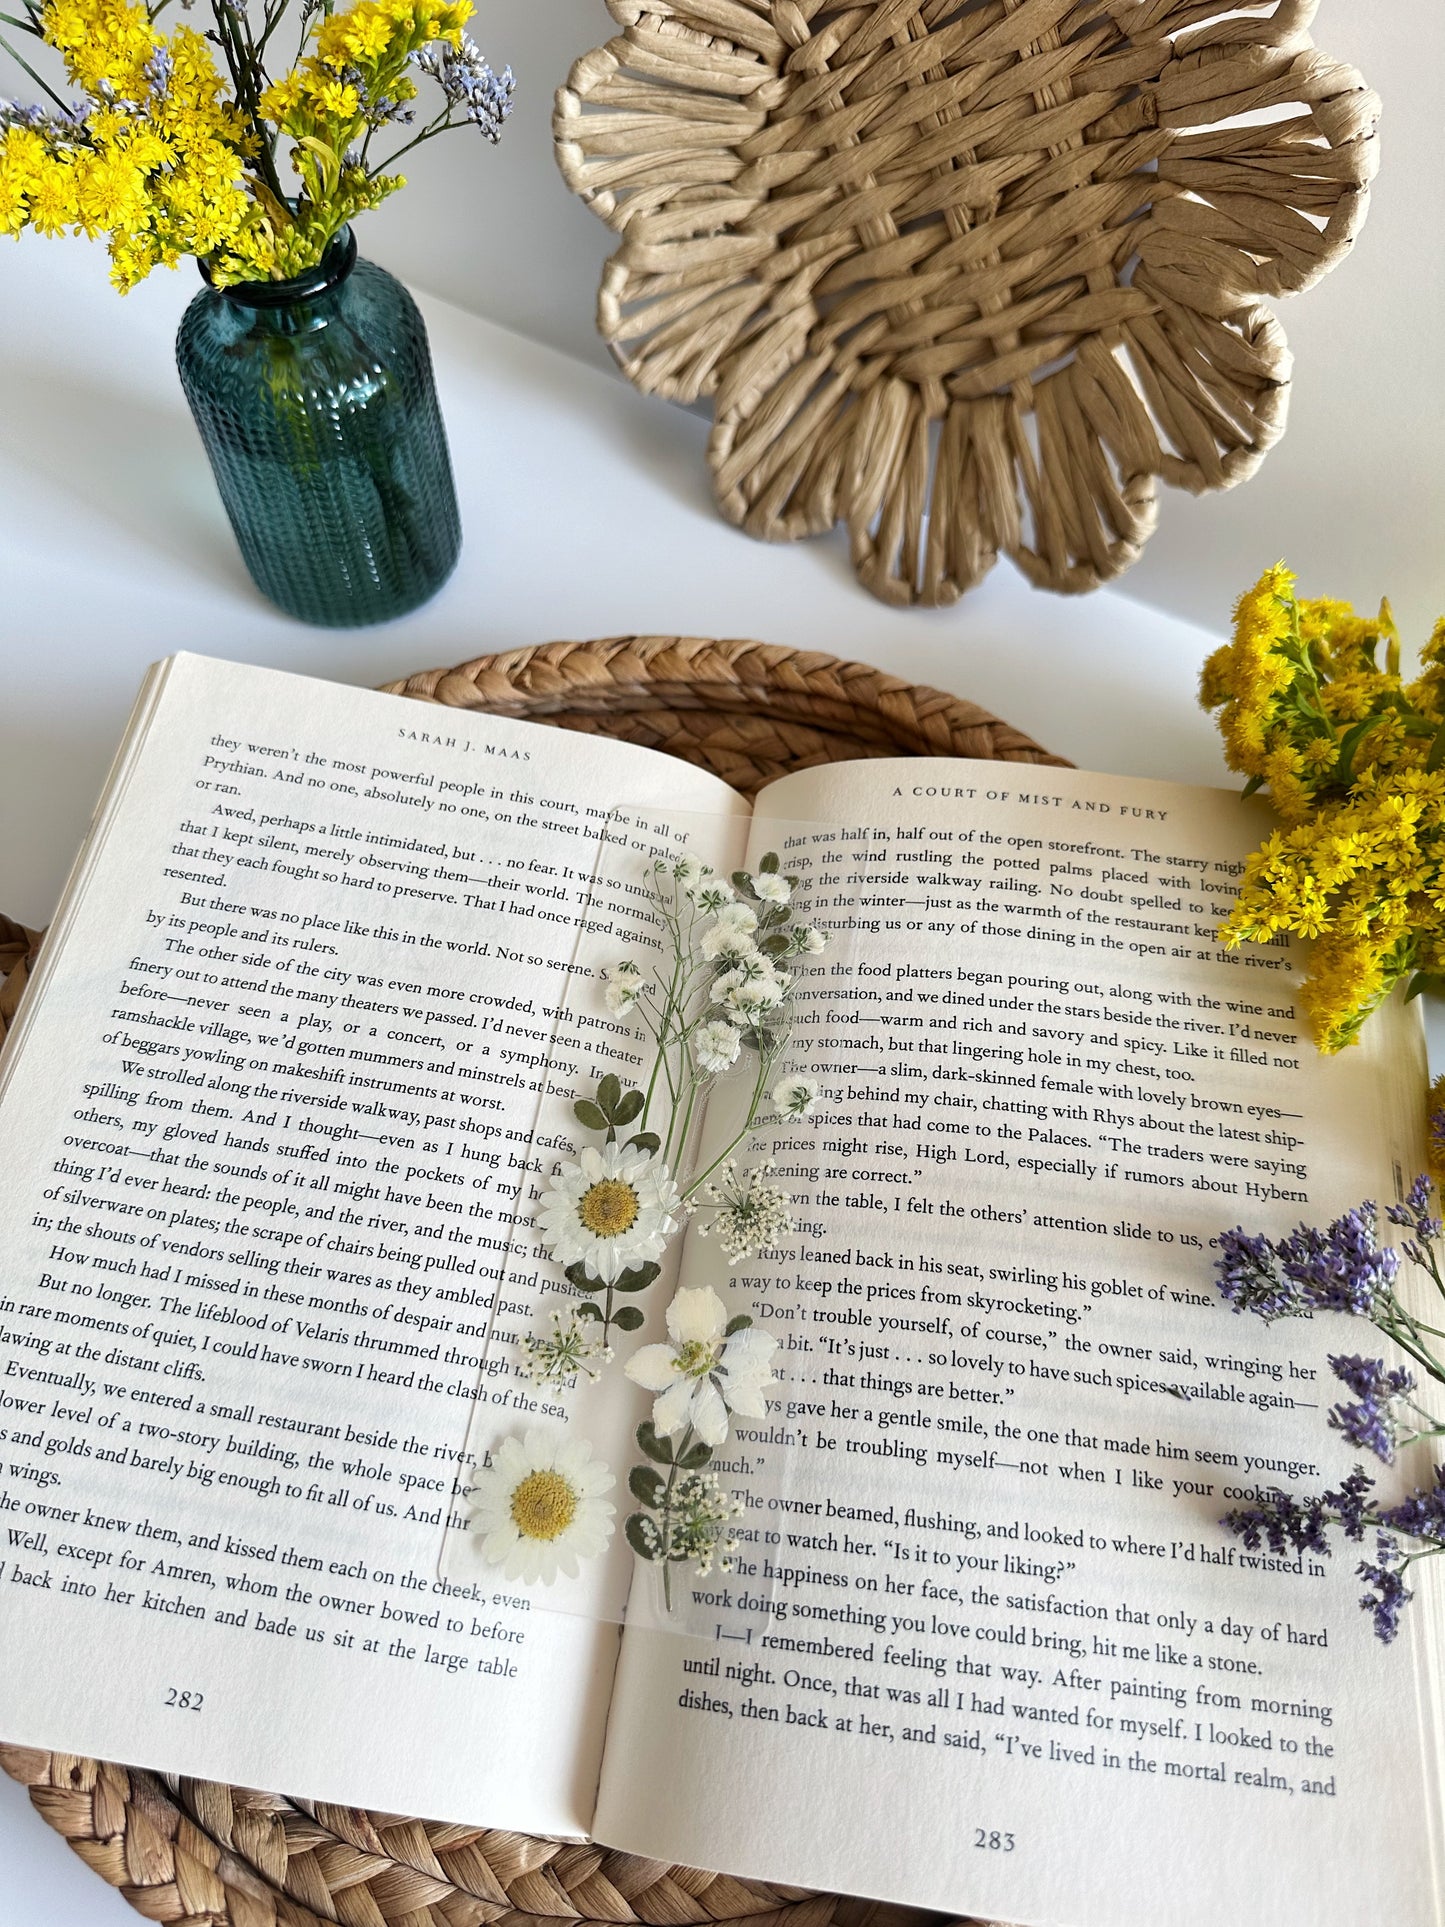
{"x": 611, "y": 1210}
{"x": 538, "y": 1507}
{"x": 721, "y": 944}
{"x": 795, "y": 1096}
{"x": 771, "y": 888}
{"x": 737, "y": 916}
{"x": 703, "y": 1375}
{"x": 717, "y": 1045}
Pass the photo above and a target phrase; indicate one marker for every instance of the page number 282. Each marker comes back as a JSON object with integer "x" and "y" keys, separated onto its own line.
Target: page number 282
{"x": 183, "y": 1700}
{"x": 992, "y": 1842}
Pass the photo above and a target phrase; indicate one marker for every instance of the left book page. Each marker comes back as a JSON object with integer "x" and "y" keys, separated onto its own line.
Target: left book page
{"x": 266, "y": 1123}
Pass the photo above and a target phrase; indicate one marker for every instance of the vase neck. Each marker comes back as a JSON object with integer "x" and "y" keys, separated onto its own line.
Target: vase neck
{"x": 302, "y": 302}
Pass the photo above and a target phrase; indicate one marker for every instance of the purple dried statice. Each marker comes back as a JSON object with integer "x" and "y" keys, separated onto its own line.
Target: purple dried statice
{"x": 1344, "y": 1268}
{"x": 1422, "y": 1515}
{"x": 1414, "y": 1215}
{"x": 1351, "y": 1505}
{"x": 1387, "y": 1592}
{"x": 1372, "y": 1424}
{"x": 466, "y": 78}
{"x": 1282, "y": 1522}
{"x": 1250, "y": 1279}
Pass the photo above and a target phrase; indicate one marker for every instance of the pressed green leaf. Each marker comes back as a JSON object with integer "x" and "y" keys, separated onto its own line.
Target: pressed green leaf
{"x": 658, "y": 1450}
{"x": 695, "y": 1457}
{"x": 609, "y": 1095}
{"x": 792, "y": 882}
{"x": 628, "y": 1318}
{"x": 589, "y": 1310}
{"x": 638, "y": 1278}
{"x": 738, "y": 1324}
{"x": 640, "y": 1536}
{"x": 743, "y": 884}
{"x": 770, "y": 865}
{"x": 645, "y": 1484}
{"x": 586, "y": 1112}
{"x": 577, "y": 1275}
{"x": 775, "y": 945}
{"x": 629, "y": 1108}
{"x": 646, "y": 1141}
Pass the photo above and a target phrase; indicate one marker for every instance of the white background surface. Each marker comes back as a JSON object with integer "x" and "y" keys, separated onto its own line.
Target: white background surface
{"x": 587, "y": 512}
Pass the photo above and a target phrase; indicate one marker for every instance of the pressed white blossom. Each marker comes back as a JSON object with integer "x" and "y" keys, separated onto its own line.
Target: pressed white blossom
{"x": 743, "y": 1004}
{"x": 750, "y": 971}
{"x": 571, "y": 1347}
{"x": 771, "y": 888}
{"x": 722, "y": 944}
{"x": 688, "y": 872}
{"x": 711, "y": 894}
{"x": 538, "y": 1507}
{"x": 806, "y": 940}
{"x": 795, "y": 1096}
{"x": 750, "y": 1214}
{"x": 624, "y": 983}
{"x": 613, "y": 1209}
{"x": 703, "y": 1375}
{"x": 737, "y": 916}
{"x": 717, "y": 1045}
{"x": 693, "y": 1528}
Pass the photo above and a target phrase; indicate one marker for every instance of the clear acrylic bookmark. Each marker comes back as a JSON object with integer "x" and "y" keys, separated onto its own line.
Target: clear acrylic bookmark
{"x": 668, "y": 1402}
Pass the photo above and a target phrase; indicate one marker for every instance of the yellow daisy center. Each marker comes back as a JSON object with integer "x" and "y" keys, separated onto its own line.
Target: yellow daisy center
{"x": 543, "y": 1505}
{"x": 609, "y": 1208}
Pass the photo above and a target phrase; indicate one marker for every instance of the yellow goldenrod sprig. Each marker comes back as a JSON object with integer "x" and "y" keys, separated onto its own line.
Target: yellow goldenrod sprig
{"x": 1353, "y": 759}
{"x": 165, "y": 156}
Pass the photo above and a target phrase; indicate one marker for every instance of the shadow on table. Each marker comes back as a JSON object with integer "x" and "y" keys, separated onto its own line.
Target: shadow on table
{"x": 144, "y": 470}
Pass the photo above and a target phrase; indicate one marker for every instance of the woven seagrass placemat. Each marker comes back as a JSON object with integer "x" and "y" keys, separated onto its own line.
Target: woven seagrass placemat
{"x": 193, "y": 1853}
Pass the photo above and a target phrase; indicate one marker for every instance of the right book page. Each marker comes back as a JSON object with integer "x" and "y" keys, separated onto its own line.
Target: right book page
{"x": 1000, "y": 1656}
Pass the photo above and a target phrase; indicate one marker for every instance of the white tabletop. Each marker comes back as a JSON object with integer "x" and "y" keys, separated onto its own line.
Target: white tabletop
{"x": 586, "y": 513}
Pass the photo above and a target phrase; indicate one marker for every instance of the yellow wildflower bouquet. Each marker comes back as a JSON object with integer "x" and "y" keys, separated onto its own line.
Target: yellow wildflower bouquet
{"x": 1353, "y": 759}
{"x": 168, "y": 153}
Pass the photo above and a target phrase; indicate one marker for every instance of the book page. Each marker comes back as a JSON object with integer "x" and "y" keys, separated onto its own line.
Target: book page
{"x": 267, "y": 1121}
{"x": 1006, "y": 1661}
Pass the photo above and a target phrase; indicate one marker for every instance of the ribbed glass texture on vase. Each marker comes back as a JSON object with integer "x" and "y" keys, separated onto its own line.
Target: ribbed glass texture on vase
{"x": 315, "y": 401}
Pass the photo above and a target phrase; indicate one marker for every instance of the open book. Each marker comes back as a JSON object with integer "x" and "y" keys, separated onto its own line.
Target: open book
{"x": 273, "y": 1121}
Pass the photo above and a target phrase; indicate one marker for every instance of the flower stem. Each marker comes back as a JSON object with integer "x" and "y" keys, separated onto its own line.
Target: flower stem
{"x": 25, "y": 65}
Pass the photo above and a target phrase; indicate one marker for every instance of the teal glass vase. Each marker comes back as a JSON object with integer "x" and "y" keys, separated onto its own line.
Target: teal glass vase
{"x": 315, "y": 401}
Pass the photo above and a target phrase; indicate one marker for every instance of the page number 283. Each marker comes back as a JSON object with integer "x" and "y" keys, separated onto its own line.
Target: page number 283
{"x": 184, "y": 1700}
{"x": 992, "y": 1842}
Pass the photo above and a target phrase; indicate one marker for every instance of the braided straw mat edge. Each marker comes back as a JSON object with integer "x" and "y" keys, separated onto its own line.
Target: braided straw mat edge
{"x": 195, "y": 1853}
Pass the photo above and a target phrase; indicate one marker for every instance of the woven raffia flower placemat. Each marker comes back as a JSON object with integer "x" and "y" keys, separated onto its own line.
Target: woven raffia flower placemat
{"x": 968, "y": 276}
{"x": 193, "y": 1853}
